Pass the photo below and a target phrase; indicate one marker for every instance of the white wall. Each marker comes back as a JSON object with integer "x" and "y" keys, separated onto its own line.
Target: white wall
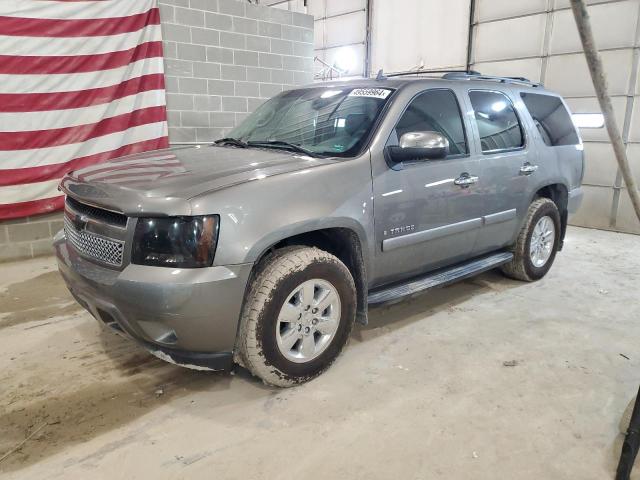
{"x": 538, "y": 39}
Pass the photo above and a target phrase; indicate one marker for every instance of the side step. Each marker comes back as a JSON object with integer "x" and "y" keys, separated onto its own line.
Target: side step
{"x": 438, "y": 278}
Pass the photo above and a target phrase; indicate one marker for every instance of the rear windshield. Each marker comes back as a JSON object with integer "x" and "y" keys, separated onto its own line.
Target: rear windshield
{"x": 551, "y": 118}
{"x": 328, "y": 121}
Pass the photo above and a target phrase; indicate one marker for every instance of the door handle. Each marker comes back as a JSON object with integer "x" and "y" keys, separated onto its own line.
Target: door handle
{"x": 528, "y": 169}
{"x": 465, "y": 180}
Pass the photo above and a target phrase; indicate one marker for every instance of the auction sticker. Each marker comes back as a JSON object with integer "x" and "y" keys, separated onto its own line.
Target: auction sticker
{"x": 370, "y": 92}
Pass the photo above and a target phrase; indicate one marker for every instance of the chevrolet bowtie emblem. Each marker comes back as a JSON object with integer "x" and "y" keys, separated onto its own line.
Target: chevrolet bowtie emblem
{"x": 80, "y": 221}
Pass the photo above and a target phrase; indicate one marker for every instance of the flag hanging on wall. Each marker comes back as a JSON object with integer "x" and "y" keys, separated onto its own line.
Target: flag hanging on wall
{"x": 81, "y": 82}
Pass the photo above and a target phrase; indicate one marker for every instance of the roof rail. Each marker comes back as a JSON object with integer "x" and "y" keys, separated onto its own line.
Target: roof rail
{"x": 478, "y": 76}
{"x": 427, "y": 72}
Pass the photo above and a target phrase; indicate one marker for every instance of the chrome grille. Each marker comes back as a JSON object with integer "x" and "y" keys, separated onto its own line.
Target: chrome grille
{"x": 94, "y": 246}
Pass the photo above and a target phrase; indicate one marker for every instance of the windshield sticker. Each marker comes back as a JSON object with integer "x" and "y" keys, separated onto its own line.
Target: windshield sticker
{"x": 370, "y": 92}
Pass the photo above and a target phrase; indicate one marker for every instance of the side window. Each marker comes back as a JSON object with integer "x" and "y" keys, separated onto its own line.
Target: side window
{"x": 435, "y": 111}
{"x": 552, "y": 119}
{"x": 497, "y": 121}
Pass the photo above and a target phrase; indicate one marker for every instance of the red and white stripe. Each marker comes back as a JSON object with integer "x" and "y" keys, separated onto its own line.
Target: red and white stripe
{"x": 81, "y": 82}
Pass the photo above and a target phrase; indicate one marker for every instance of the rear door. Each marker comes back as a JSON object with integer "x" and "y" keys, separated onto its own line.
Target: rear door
{"x": 505, "y": 155}
{"x": 423, "y": 218}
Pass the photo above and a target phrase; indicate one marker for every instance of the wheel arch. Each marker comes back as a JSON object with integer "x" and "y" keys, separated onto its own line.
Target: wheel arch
{"x": 344, "y": 242}
{"x": 558, "y": 193}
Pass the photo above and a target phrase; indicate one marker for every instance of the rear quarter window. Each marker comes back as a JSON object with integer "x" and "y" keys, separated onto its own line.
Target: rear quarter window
{"x": 551, "y": 118}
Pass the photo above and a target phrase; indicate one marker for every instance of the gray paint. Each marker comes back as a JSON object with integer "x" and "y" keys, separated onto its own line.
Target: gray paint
{"x": 265, "y": 196}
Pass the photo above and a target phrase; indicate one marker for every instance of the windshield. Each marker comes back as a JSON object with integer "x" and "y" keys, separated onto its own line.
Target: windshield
{"x": 323, "y": 121}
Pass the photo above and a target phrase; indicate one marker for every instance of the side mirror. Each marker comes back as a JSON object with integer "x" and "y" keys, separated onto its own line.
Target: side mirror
{"x": 420, "y": 146}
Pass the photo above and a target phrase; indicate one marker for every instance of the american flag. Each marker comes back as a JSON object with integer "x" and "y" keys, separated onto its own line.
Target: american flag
{"x": 81, "y": 82}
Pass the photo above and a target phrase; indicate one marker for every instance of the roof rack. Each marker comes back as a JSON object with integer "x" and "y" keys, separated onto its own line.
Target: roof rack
{"x": 459, "y": 75}
{"x": 478, "y": 76}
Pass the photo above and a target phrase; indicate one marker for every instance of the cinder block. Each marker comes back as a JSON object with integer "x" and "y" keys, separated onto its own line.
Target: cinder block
{"x": 179, "y": 3}
{"x": 178, "y": 68}
{"x": 246, "y": 58}
{"x": 193, "y": 85}
{"x": 205, "y": 36}
{"x": 234, "y": 104}
{"x": 284, "y": 47}
{"x": 297, "y": 34}
{"x": 258, "y": 74}
{"x": 220, "y": 132}
{"x": 280, "y": 15}
{"x": 206, "y": 70}
{"x": 28, "y": 232}
{"x": 282, "y": 76}
{"x": 258, "y": 44}
{"x": 245, "y": 25}
{"x": 210, "y": 5}
{"x": 269, "y": 29}
{"x": 206, "y": 135}
{"x": 194, "y": 119}
{"x": 196, "y": 53}
{"x": 219, "y": 55}
{"x": 302, "y": 49}
{"x": 177, "y": 101}
{"x": 221, "y": 87}
{"x": 219, "y": 22}
{"x": 15, "y": 251}
{"x": 233, "y": 72}
{"x": 231, "y": 7}
{"x": 207, "y": 103}
{"x": 232, "y": 40}
{"x": 170, "y": 49}
{"x": 248, "y": 89}
{"x": 302, "y": 20}
{"x": 175, "y": 33}
{"x": 4, "y": 238}
{"x": 189, "y": 16}
{"x": 294, "y": 63}
{"x": 241, "y": 117}
{"x": 253, "y": 103}
{"x": 268, "y": 90}
{"x": 42, "y": 248}
{"x": 222, "y": 119}
{"x": 173, "y": 118}
{"x": 302, "y": 78}
{"x": 269, "y": 60}
{"x": 258, "y": 12}
{"x": 166, "y": 13}
{"x": 182, "y": 134}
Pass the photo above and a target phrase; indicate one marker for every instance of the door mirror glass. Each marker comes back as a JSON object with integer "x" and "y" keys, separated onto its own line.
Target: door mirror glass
{"x": 420, "y": 146}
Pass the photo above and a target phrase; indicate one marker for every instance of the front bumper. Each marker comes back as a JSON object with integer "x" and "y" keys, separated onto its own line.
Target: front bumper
{"x": 185, "y": 316}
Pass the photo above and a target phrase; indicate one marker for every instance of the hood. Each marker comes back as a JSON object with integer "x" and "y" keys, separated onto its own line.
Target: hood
{"x": 163, "y": 181}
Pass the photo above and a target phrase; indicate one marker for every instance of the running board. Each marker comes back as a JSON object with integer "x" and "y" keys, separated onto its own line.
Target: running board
{"x": 438, "y": 278}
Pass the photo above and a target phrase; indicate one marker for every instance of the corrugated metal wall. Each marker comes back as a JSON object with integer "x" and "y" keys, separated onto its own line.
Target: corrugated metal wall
{"x": 531, "y": 38}
{"x": 538, "y": 39}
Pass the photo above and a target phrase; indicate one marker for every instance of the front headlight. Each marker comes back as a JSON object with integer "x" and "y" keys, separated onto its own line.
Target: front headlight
{"x": 183, "y": 242}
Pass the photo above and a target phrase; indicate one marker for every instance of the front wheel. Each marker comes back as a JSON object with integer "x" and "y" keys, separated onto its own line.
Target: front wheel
{"x": 537, "y": 243}
{"x": 297, "y": 317}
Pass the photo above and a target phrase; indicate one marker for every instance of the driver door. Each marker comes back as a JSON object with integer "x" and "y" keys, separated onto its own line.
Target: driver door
{"x": 425, "y": 217}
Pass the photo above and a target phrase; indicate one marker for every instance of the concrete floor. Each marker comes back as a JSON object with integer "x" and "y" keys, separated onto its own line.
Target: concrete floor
{"x": 422, "y": 392}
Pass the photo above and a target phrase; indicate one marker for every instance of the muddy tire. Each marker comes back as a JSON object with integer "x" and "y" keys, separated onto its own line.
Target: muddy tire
{"x": 537, "y": 243}
{"x": 297, "y": 317}
{"x": 626, "y": 417}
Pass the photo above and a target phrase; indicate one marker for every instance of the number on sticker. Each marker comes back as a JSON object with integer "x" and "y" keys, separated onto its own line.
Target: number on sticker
{"x": 370, "y": 92}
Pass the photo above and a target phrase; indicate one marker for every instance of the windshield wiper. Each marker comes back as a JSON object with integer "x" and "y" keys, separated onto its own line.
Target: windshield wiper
{"x": 282, "y": 144}
{"x": 231, "y": 141}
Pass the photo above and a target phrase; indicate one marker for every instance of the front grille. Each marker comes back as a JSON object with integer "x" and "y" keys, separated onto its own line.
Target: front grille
{"x": 104, "y": 216}
{"x": 94, "y": 246}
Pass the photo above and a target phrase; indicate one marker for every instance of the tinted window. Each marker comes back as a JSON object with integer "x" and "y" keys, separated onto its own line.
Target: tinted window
{"x": 435, "y": 111}
{"x": 497, "y": 121}
{"x": 552, "y": 119}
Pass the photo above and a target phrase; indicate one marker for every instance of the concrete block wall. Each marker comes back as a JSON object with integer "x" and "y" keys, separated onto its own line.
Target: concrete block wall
{"x": 223, "y": 58}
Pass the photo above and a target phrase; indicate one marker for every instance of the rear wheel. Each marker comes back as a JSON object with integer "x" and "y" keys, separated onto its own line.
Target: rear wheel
{"x": 297, "y": 317}
{"x": 537, "y": 243}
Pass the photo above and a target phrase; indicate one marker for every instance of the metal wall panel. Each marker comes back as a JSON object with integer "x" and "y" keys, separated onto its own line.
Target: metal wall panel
{"x": 538, "y": 39}
{"x": 407, "y": 34}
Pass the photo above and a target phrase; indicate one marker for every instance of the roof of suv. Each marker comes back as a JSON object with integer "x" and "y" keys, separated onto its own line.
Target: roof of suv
{"x": 398, "y": 82}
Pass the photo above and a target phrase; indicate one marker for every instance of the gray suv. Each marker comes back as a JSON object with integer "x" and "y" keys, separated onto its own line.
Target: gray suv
{"x": 264, "y": 248}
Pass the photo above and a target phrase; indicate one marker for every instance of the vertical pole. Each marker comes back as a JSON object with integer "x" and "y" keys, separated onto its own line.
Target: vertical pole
{"x": 472, "y": 14}
{"x": 367, "y": 55}
{"x": 600, "y": 83}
